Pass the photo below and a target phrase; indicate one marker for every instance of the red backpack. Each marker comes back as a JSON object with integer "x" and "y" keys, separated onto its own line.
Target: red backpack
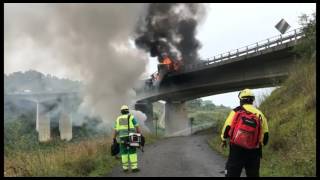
{"x": 245, "y": 129}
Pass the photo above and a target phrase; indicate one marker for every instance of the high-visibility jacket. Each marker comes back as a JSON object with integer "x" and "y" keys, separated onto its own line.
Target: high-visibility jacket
{"x": 252, "y": 109}
{"x": 121, "y": 125}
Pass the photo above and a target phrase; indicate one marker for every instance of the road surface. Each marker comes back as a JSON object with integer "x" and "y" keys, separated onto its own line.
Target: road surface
{"x": 177, "y": 156}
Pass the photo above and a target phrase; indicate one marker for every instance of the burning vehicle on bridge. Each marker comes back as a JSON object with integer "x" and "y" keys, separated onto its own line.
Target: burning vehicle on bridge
{"x": 167, "y": 65}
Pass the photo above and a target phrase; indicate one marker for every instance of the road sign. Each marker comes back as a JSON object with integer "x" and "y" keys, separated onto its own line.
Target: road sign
{"x": 282, "y": 26}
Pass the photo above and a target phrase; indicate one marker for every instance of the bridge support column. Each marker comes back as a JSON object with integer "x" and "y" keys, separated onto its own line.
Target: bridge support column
{"x": 65, "y": 126}
{"x": 176, "y": 119}
{"x": 147, "y": 109}
{"x": 43, "y": 126}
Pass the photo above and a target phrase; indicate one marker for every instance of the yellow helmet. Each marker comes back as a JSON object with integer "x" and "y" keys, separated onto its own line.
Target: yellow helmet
{"x": 124, "y": 107}
{"x": 245, "y": 93}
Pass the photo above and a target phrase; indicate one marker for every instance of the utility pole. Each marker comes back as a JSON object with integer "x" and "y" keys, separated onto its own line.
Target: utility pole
{"x": 191, "y": 122}
{"x": 156, "y": 126}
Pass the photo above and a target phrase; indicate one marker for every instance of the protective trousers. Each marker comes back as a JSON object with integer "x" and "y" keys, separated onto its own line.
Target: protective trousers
{"x": 128, "y": 154}
{"x": 243, "y": 158}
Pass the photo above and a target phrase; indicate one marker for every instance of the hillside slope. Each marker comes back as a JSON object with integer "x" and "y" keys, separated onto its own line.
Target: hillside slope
{"x": 291, "y": 113}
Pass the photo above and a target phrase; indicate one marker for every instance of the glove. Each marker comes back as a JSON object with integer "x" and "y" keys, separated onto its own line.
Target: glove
{"x": 223, "y": 144}
{"x": 142, "y": 141}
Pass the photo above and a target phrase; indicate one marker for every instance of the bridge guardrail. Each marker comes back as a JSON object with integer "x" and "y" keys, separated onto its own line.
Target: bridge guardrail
{"x": 271, "y": 42}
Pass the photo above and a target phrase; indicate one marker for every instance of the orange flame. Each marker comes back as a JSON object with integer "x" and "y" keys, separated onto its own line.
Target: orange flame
{"x": 167, "y": 61}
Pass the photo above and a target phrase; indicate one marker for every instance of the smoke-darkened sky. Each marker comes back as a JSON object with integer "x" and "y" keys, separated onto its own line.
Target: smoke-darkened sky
{"x": 171, "y": 28}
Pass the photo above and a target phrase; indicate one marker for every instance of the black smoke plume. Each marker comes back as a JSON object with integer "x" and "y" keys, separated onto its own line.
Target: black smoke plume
{"x": 171, "y": 28}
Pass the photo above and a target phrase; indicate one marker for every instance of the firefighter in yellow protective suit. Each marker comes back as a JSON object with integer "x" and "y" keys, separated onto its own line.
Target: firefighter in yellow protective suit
{"x": 121, "y": 129}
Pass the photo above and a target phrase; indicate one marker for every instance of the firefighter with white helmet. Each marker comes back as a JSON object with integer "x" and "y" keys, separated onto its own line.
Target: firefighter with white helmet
{"x": 125, "y": 124}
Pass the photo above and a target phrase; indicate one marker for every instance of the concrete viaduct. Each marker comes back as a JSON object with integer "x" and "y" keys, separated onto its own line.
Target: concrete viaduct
{"x": 262, "y": 64}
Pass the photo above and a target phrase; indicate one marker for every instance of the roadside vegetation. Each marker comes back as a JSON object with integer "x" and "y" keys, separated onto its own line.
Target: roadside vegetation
{"x": 82, "y": 156}
{"x": 86, "y": 154}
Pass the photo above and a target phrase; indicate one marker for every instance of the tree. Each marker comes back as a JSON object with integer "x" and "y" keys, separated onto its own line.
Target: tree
{"x": 194, "y": 104}
{"x": 208, "y": 105}
{"x": 307, "y": 47}
{"x": 38, "y": 82}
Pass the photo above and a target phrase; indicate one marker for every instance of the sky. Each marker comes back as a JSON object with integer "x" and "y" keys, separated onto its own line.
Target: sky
{"x": 226, "y": 27}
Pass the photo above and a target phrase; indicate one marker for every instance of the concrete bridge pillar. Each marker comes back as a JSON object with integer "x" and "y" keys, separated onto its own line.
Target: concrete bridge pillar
{"x": 176, "y": 119}
{"x": 147, "y": 109}
{"x": 65, "y": 126}
{"x": 42, "y": 124}
{"x": 43, "y": 127}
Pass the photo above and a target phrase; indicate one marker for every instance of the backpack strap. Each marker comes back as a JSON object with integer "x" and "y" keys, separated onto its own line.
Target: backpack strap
{"x": 238, "y": 109}
{"x": 129, "y": 124}
{"x": 241, "y": 108}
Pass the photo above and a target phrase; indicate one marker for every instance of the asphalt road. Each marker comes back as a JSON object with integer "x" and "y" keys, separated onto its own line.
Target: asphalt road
{"x": 188, "y": 156}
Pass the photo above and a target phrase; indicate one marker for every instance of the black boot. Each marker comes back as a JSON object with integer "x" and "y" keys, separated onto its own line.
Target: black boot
{"x": 136, "y": 170}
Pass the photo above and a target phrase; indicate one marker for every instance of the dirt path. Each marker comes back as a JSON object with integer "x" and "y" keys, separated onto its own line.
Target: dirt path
{"x": 178, "y": 156}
